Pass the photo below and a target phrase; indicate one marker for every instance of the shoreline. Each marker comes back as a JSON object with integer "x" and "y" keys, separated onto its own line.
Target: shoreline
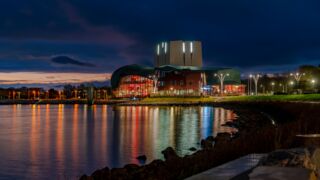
{"x": 178, "y": 101}
{"x": 256, "y": 134}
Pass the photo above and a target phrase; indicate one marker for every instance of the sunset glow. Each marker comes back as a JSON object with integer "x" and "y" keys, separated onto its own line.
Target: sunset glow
{"x": 50, "y": 78}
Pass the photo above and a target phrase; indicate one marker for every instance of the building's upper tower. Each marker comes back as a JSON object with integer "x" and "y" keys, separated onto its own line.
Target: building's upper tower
{"x": 180, "y": 53}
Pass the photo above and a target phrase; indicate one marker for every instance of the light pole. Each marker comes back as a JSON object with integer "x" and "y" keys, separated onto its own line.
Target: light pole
{"x": 297, "y": 76}
{"x": 255, "y": 80}
{"x": 221, "y": 77}
{"x": 313, "y": 82}
{"x": 155, "y": 78}
{"x": 272, "y": 84}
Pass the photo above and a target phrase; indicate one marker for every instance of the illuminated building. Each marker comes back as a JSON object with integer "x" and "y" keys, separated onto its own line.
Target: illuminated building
{"x": 179, "y": 53}
{"x": 178, "y": 71}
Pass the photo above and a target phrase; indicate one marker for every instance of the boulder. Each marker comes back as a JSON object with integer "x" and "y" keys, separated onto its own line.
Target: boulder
{"x": 169, "y": 153}
{"x": 131, "y": 167}
{"x": 210, "y": 138}
{"x": 119, "y": 173}
{"x": 101, "y": 174}
{"x": 85, "y": 177}
{"x": 206, "y": 144}
{"x": 142, "y": 158}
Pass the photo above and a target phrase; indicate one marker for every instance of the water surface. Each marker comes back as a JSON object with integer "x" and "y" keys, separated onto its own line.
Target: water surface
{"x": 66, "y": 141}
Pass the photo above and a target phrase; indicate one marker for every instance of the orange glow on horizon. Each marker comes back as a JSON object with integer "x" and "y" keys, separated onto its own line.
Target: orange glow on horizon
{"x": 50, "y": 78}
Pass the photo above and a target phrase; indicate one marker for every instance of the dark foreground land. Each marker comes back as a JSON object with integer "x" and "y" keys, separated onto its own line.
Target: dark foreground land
{"x": 263, "y": 127}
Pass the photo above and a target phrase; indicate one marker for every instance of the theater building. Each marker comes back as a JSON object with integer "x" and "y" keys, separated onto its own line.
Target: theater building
{"x": 178, "y": 71}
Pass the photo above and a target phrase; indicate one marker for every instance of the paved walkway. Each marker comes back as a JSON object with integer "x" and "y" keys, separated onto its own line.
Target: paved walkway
{"x": 230, "y": 169}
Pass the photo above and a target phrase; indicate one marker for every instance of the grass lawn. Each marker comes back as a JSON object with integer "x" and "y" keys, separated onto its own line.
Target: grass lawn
{"x": 302, "y": 97}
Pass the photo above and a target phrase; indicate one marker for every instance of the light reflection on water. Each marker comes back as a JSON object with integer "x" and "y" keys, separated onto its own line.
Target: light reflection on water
{"x": 65, "y": 141}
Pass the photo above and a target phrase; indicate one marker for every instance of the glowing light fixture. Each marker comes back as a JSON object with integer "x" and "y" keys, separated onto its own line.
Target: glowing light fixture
{"x": 158, "y": 49}
{"x": 191, "y": 47}
{"x": 165, "y": 47}
{"x": 183, "y": 47}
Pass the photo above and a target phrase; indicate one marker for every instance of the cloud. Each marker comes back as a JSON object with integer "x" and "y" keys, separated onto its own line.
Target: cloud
{"x": 65, "y": 60}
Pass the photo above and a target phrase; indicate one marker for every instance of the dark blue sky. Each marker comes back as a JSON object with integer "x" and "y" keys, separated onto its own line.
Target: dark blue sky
{"x": 102, "y": 35}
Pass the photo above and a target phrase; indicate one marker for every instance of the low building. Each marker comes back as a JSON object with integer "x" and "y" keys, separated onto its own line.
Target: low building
{"x": 178, "y": 71}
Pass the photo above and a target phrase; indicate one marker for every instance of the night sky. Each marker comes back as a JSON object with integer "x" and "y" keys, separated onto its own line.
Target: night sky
{"x": 91, "y": 38}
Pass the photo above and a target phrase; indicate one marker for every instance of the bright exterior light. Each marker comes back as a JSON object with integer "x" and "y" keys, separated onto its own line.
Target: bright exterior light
{"x": 183, "y": 47}
{"x": 297, "y": 76}
{"x": 272, "y": 83}
{"x": 291, "y": 82}
{"x": 191, "y": 47}
{"x": 228, "y": 74}
{"x": 158, "y": 49}
{"x": 165, "y": 47}
{"x": 250, "y": 75}
{"x": 313, "y": 81}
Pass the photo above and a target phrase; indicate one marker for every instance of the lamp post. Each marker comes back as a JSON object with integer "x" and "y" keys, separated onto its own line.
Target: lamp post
{"x": 221, "y": 77}
{"x": 255, "y": 80}
{"x": 155, "y": 78}
{"x": 313, "y": 82}
{"x": 297, "y": 76}
{"x": 272, "y": 84}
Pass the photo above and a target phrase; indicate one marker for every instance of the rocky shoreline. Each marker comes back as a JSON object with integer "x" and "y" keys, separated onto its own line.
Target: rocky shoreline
{"x": 214, "y": 151}
{"x": 263, "y": 127}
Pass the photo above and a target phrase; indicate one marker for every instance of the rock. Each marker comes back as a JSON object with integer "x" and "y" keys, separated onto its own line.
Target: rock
{"x": 101, "y": 174}
{"x": 131, "y": 167}
{"x": 169, "y": 153}
{"x": 142, "y": 158}
{"x": 223, "y": 137}
{"x": 206, "y": 144}
{"x": 119, "y": 173}
{"x": 192, "y": 149}
{"x": 85, "y": 177}
{"x": 210, "y": 138}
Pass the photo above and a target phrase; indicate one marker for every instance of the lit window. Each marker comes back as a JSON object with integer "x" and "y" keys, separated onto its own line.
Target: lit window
{"x": 191, "y": 47}
{"x": 183, "y": 47}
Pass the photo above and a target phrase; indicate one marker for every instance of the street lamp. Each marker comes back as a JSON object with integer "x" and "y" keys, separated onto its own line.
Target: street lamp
{"x": 297, "y": 76}
{"x": 272, "y": 84}
{"x": 313, "y": 82}
{"x": 255, "y": 79}
{"x": 155, "y": 78}
{"x": 221, "y": 77}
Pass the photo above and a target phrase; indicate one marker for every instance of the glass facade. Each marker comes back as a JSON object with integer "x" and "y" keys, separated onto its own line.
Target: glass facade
{"x": 134, "y": 86}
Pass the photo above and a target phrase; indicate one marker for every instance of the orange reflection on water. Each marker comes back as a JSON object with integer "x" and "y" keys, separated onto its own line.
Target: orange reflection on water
{"x": 60, "y": 136}
{"x": 104, "y": 127}
{"x": 75, "y": 134}
{"x": 34, "y": 140}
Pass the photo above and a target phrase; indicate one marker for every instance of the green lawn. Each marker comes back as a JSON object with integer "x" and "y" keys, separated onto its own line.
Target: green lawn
{"x": 303, "y": 97}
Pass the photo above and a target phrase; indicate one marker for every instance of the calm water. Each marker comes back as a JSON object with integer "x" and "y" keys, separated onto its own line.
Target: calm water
{"x": 65, "y": 141}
